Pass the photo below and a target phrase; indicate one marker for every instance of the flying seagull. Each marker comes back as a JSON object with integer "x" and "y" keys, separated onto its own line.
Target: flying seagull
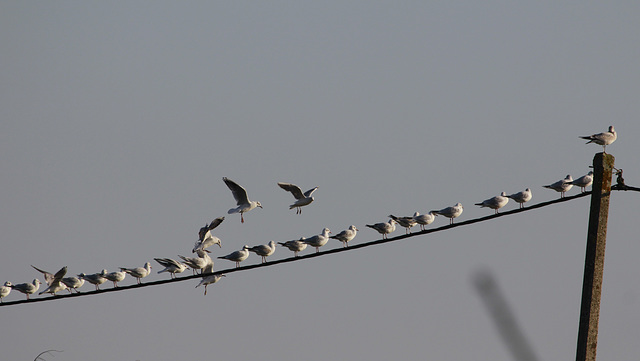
{"x": 205, "y": 238}
{"x": 240, "y": 195}
{"x": 302, "y": 199}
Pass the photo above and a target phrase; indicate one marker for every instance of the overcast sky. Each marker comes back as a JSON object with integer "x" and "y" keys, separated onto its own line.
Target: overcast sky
{"x": 119, "y": 120}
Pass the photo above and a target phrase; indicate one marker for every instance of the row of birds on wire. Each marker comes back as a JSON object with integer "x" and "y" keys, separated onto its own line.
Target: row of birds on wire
{"x": 203, "y": 263}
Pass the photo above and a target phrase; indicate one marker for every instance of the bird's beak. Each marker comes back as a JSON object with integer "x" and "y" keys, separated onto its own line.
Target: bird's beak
{"x": 206, "y": 250}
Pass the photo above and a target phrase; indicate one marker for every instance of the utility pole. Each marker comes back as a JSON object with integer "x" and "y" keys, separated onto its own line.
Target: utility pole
{"x": 594, "y": 261}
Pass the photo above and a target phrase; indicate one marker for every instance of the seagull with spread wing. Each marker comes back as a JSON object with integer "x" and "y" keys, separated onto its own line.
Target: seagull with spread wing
{"x": 302, "y": 199}
{"x": 240, "y": 195}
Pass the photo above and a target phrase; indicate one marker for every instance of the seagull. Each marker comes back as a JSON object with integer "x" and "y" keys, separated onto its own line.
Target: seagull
{"x": 451, "y": 212}
{"x": 496, "y": 202}
{"x": 48, "y": 276}
{"x": 346, "y": 235}
{"x": 562, "y": 185}
{"x": 406, "y": 222}
{"x": 264, "y": 250}
{"x": 73, "y": 283}
{"x": 424, "y": 219}
{"x": 5, "y": 290}
{"x": 138, "y": 272}
{"x": 115, "y": 277}
{"x": 602, "y": 139}
{"x": 302, "y": 199}
{"x": 27, "y": 288}
{"x": 205, "y": 238}
{"x": 96, "y": 278}
{"x": 207, "y": 280}
{"x": 318, "y": 240}
{"x": 521, "y": 197}
{"x": 238, "y": 256}
{"x": 56, "y": 283}
{"x": 384, "y": 228}
{"x": 171, "y": 265}
{"x": 240, "y": 195}
{"x": 295, "y": 245}
{"x": 584, "y": 181}
{"x": 198, "y": 263}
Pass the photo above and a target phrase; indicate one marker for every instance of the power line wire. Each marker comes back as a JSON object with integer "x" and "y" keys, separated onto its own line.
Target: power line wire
{"x": 312, "y": 255}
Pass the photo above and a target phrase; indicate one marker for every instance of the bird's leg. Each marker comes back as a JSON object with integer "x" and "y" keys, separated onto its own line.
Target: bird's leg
{"x": 241, "y": 217}
{"x": 205, "y": 290}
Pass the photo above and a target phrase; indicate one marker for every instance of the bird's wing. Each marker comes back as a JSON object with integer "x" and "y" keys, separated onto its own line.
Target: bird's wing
{"x": 48, "y": 276}
{"x": 239, "y": 193}
{"x": 294, "y": 189}
{"x": 310, "y": 192}
{"x": 58, "y": 276}
{"x": 215, "y": 223}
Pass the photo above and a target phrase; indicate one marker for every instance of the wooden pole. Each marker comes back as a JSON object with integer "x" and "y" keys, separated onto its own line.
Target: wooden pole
{"x": 594, "y": 260}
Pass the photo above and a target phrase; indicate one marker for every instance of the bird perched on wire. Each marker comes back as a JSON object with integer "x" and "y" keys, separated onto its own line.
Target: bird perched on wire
{"x": 295, "y": 245}
{"x": 237, "y": 256}
{"x": 562, "y": 186}
{"x": 602, "y": 139}
{"x": 115, "y": 277}
{"x": 264, "y": 250}
{"x": 406, "y": 222}
{"x": 451, "y": 212}
{"x": 138, "y": 272}
{"x": 384, "y": 228}
{"x": 171, "y": 266}
{"x": 198, "y": 263}
{"x": 205, "y": 238}
{"x": 424, "y": 219}
{"x": 495, "y": 203}
{"x": 27, "y": 288}
{"x": 242, "y": 200}
{"x": 56, "y": 284}
{"x": 584, "y": 181}
{"x": 318, "y": 240}
{"x": 346, "y": 235}
{"x": 5, "y": 290}
{"x": 522, "y": 197}
{"x": 302, "y": 199}
{"x": 95, "y": 279}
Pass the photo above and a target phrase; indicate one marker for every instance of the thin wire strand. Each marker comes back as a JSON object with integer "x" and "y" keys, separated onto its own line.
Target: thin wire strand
{"x": 311, "y": 255}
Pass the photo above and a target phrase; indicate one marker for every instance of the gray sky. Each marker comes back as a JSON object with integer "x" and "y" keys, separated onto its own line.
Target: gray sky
{"x": 118, "y": 123}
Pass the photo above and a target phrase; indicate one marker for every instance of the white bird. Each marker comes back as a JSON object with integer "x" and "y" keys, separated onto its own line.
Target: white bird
{"x": 295, "y": 246}
{"x": 521, "y": 197}
{"x": 197, "y": 263}
{"x": 584, "y": 181}
{"x": 56, "y": 283}
{"x": 240, "y": 195}
{"x": 562, "y": 186}
{"x": 27, "y": 288}
{"x": 5, "y": 290}
{"x": 115, "y": 277}
{"x": 496, "y": 202}
{"x": 205, "y": 238}
{"x": 48, "y": 276}
{"x": 384, "y": 228}
{"x": 302, "y": 199}
{"x": 264, "y": 250}
{"x": 602, "y": 139}
{"x": 138, "y": 272}
{"x": 318, "y": 240}
{"x": 346, "y": 235}
{"x": 406, "y": 222}
{"x": 207, "y": 280}
{"x": 95, "y": 279}
{"x": 237, "y": 256}
{"x": 424, "y": 219}
{"x": 451, "y": 212}
{"x": 171, "y": 266}
{"x": 73, "y": 283}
